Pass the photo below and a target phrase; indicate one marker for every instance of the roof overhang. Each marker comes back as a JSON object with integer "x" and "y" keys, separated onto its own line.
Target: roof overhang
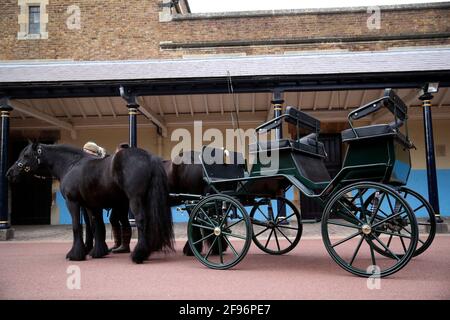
{"x": 302, "y": 72}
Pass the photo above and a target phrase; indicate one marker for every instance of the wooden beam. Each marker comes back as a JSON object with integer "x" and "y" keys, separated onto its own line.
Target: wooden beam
{"x": 253, "y": 102}
{"x": 33, "y": 112}
{"x": 96, "y": 107}
{"x": 111, "y": 107}
{"x": 80, "y": 107}
{"x": 63, "y": 106}
{"x": 190, "y": 105}
{"x": 330, "y": 103}
{"x": 175, "y": 104}
{"x": 221, "y": 104}
{"x": 146, "y": 111}
{"x": 347, "y": 95}
{"x": 205, "y": 101}
{"x": 444, "y": 97}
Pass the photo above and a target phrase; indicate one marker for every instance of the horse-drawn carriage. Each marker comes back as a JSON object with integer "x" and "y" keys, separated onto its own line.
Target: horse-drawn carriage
{"x": 366, "y": 204}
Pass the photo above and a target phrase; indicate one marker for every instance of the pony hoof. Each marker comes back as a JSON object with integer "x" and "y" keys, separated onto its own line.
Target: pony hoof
{"x": 76, "y": 255}
{"x": 99, "y": 251}
{"x": 187, "y": 251}
{"x": 138, "y": 257}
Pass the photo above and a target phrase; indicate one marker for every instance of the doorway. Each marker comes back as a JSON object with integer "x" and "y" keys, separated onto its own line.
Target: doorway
{"x": 31, "y": 198}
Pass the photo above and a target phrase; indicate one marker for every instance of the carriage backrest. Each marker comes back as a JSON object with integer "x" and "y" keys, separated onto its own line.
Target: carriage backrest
{"x": 390, "y": 100}
{"x": 301, "y": 119}
{"x": 219, "y": 163}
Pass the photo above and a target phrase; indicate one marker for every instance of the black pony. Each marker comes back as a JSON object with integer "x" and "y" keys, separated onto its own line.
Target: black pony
{"x": 131, "y": 178}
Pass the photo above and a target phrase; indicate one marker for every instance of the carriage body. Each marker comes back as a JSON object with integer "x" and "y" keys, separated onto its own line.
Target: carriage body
{"x": 377, "y": 164}
{"x": 391, "y": 153}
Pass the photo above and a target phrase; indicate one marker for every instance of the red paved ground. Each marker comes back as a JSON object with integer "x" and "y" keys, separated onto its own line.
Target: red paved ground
{"x": 32, "y": 270}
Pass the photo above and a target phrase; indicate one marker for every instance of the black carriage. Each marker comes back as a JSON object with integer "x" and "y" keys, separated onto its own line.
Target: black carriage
{"x": 366, "y": 202}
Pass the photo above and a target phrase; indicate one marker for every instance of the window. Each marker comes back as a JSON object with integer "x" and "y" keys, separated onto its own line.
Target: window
{"x": 34, "y": 20}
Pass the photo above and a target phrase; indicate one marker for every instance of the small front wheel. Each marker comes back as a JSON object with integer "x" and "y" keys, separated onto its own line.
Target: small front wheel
{"x": 222, "y": 223}
{"x": 277, "y": 225}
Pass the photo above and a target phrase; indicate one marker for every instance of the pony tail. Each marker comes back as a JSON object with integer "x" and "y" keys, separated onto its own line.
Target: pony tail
{"x": 159, "y": 226}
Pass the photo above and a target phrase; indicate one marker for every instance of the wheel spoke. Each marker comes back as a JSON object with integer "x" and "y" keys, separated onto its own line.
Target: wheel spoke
{"x": 204, "y": 221}
{"x": 231, "y": 246}
{"x": 276, "y": 239}
{"x": 202, "y": 226}
{"x": 261, "y": 232}
{"x": 268, "y": 239}
{"x": 234, "y": 235}
{"x": 286, "y": 218}
{"x": 235, "y": 223}
{"x": 346, "y": 239}
{"x": 283, "y": 235}
{"x": 356, "y": 250}
{"x": 378, "y": 207}
{"x": 210, "y": 248}
{"x": 372, "y": 254}
{"x": 419, "y": 207}
{"x": 207, "y": 217}
{"x": 348, "y": 213}
{"x": 386, "y": 248}
{"x": 390, "y": 204}
{"x": 287, "y": 227}
{"x": 387, "y": 219}
{"x": 204, "y": 238}
{"x": 393, "y": 234}
{"x": 403, "y": 242}
{"x": 389, "y": 241}
{"x": 226, "y": 216}
{"x": 220, "y": 249}
{"x": 262, "y": 213}
{"x": 343, "y": 224}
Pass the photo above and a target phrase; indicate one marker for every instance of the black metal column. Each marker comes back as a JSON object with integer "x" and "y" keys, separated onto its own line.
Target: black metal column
{"x": 133, "y": 107}
{"x": 5, "y": 110}
{"x": 132, "y": 120}
{"x": 433, "y": 195}
{"x": 277, "y": 103}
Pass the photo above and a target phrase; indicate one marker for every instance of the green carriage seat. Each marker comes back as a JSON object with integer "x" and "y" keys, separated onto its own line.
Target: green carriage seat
{"x": 380, "y": 143}
{"x": 308, "y": 144}
{"x": 302, "y": 158}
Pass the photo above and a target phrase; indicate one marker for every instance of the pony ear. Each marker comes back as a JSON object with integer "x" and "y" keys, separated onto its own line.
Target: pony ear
{"x": 34, "y": 145}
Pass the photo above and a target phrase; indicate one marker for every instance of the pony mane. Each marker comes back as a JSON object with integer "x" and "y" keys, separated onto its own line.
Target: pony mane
{"x": 66, "y": 148}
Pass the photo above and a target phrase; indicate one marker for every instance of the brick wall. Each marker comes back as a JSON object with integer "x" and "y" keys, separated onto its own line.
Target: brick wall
{"x": 120, "y": 30}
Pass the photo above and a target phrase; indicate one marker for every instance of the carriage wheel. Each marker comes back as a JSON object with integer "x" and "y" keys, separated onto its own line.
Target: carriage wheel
{"x": 421, "y": 208}
{"x": 223, "y": 223}
{"x": 389, "y": 222}
{"x": 275, "y": 232}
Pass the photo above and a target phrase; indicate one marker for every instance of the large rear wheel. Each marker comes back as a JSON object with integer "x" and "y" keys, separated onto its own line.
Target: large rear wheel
{"x": 352, "y": 230}
{"x": 425, "y": 217}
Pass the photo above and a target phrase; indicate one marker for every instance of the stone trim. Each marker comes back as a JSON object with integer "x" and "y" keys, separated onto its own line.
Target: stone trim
{"x": 23, "y": 19}
{"x": 167, "y": 45}
{"x": 265, "y": 13}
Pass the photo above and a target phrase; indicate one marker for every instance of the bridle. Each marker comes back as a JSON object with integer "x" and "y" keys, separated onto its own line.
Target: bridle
{"x": 27, "y": 168}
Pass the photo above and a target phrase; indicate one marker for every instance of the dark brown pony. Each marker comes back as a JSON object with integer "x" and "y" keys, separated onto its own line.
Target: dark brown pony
{"x": 131, "y": 178}
{"x": 187, "y": 177}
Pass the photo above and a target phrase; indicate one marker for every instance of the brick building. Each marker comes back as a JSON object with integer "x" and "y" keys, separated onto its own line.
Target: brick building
{"x": 61, "y": 63}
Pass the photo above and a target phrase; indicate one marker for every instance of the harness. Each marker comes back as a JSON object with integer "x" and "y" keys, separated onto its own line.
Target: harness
{"x": 27, "y": 168}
